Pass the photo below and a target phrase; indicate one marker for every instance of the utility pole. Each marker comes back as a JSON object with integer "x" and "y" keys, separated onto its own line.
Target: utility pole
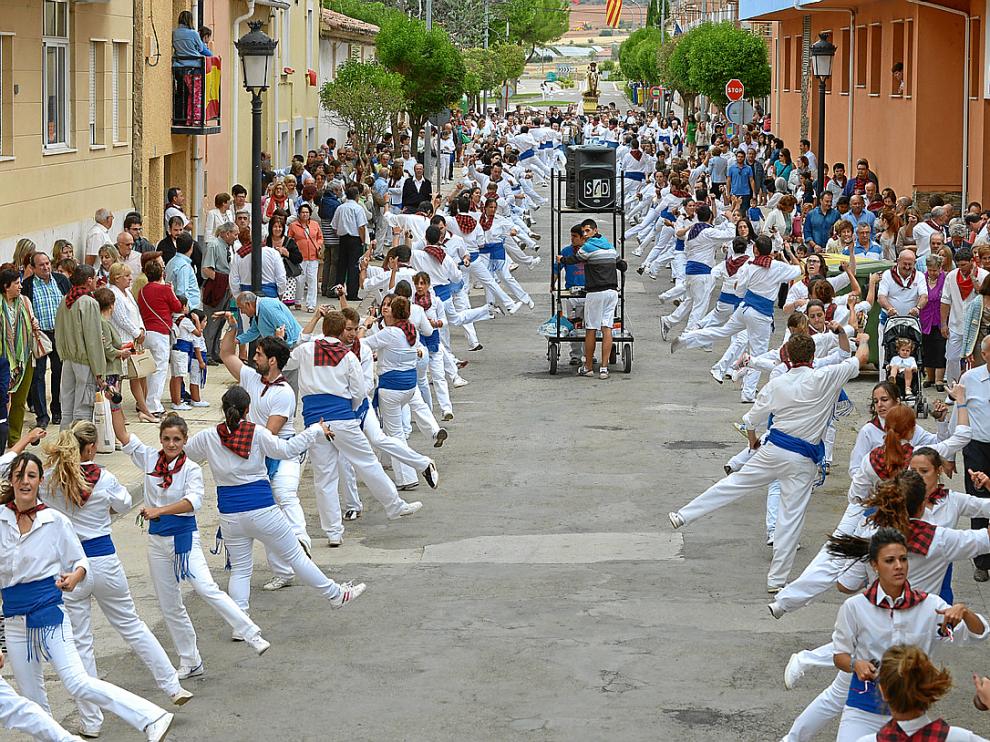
{"x": 427, "y": 128}
{"x": 484, "y": 93}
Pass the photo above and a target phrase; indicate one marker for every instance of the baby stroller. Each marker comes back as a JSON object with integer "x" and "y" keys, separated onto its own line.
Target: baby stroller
{"x": 906, "y": 327}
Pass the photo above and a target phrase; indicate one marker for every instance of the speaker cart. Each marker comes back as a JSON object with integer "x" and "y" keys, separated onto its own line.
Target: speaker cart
{"x": 587, "y": 187}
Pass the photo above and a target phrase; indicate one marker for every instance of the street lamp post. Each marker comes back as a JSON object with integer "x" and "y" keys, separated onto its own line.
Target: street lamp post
{"x": 256, "y": 49}
{"x": 822, "y": 53}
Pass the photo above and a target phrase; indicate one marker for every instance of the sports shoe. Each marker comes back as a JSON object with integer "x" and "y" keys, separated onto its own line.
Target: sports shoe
{"x": 191, "y": 672}
{"x": 675, "y": 520}
{"x": 664, "y": 328}
{"x": 277, "y": 583}
{"x": 774, "y": 589}
{"x": 199, "y": 403}
{"x": 641, "y": 270}
{"x": 717, "y": 375}
{"x": 258, "y": 643}
{"x": 674, "y": 345}
{"x": 334, "y": 541}
{"x": 407, "y": 487}
{"x": 408, "y": 509}
{"x": 459, "y": 382}
{"x": 440, "y": 437}
{"x": 603, "y": 373}
{"x": 157, "y": 730}
{"x": 535, "y": 262}
{"x": 479, "y": 346}
{"x": 447, "y": 416}
{"x": 531, "y": 304}
{"x": 89, "y": 733}
{"x": 776, "y": 611}
{"x": 585, "y": 371}
{"x": 348, "y": 592}
{"x": 981, "y": 575}
{"x": 516, "y": 306}
{"x": 181, "y": 697}
{"x": 727, "y": 469}
{"x": 351, "y": 515}
{"x": 431, "y": 475}
{"x": 793, "y": 672}
{"x": 182, "y": 406}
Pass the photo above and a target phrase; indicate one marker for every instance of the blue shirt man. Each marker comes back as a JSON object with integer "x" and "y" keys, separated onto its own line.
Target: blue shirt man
{"x": 180, "y": 271}
{"x": 819, "y": 222}
{"x": 267, "y": 314}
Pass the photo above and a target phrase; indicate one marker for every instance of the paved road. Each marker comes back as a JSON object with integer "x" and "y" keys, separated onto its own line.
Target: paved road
{"x": 540, "y": 594}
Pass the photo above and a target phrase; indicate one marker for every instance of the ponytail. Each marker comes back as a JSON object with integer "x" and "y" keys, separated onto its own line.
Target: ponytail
{"x": 909, "y": 680}
{"x": 854, "y": 547}
{"x": 899, "y": 426}
{"x": 64, "y": 459}
{"x": 235, "y": 403}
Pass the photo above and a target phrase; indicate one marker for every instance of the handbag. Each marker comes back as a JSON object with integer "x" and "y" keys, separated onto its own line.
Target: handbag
{"x": 291, "y": 269}
{"x": 104, "y": 425}
{"x": 140, "y": 364}
{"x": 42, "y": 344}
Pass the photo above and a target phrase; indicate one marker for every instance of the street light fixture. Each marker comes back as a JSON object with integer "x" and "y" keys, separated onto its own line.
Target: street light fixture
{"x": 257, "y": 50}
{"x": 822, "y": 54}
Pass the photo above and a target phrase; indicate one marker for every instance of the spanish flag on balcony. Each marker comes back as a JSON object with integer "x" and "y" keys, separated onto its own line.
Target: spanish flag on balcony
{"x": 613, "y": 9}
{"x": 211, "y": 88}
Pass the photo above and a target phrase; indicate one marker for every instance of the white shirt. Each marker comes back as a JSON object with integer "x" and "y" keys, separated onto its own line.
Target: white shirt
{"x": 702, "y": 248}
{"x": 765, "y": 282}
{"x": 230, "y": 469}
{"x": 97, "y": 237}
{"x": 393, "y": 350}
{"x": 440, "y": 273}
{"x": 922, "y": 234}
{"x": 415, "y": 223}
{"x": 215, "y": 217}
{"x": 903, "y": 298}
{"x": 956, "y": 734}
{"x": 272, "y": 270}
{"x": 957, "y": 305}
{"x": 126, "y": 317}
{"x": 870, "y": 436}
{"x": 799, "y": 289}
{"x": 904, "y": 363}
{"x": 92, "y": 520}
{"x": 50, "y": 548}
{"x": 175, "y": 211}
{"x": 976, "y": 381}
{"x": 348, "y": 219}
{"x": 345, "y": 380}
{"x": 187, "y": 483}
{"x": 277, "y": 401}
{"x": 955, "y": 505}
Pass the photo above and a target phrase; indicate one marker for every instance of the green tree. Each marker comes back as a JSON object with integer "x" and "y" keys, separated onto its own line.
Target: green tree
{"x": 364, "y": 97}
{"x": 630, "y": 58}
{"x": 678, "y": 69}
{"x": 719, "y": 52}
{"x": 532, "y": 23}
{"x": 657, "y": 11}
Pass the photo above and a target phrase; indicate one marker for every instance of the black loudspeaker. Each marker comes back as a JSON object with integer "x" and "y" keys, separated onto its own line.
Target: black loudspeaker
{"x": 590, "y": 177}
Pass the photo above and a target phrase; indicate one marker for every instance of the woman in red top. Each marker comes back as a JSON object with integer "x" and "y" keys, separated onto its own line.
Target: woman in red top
{"x": 157, "y": 303}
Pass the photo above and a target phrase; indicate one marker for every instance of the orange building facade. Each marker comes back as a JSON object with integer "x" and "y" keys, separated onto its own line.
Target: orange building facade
{"x": 924, "y": 136}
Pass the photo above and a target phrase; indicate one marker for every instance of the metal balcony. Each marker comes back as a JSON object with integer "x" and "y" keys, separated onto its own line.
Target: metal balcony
{"x": 196, "y": 95}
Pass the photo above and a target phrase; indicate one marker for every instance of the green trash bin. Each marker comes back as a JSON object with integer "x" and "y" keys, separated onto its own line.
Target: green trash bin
{"x": 864, "y": 269}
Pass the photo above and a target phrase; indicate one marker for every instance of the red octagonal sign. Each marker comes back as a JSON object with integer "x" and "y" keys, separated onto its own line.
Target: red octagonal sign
{"x": 734, "y": 89}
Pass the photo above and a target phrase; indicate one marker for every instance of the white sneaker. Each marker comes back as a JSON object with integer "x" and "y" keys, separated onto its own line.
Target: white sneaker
{"x": 531, "y": 304}
{"x": 675, "y": 520}
{"x": 200, "y": 403}
{"x": 157, "y": 730}
{"x": 277, "y": 583}
{"x": 348, "y": 592}
{"x": 89, "y": 733}
{"x": 447, "y": 416}
{"x": 776, "y": 611}
{"x": 793, "y": 672}
{"x": 191, "y": 672}
{"x": 258, "y": 644}
{"x": 516, "y": 306}
{"x": 334, "y": 541}
{"x": 440, "y": 437}
{"x": 181, "y": 406}
{"x": 431, "y": 475}
{"x": 717, "y": 375}
{"x": 664, "y": 328}
{"x": 407, "y": 509}
{"x": 459, "y": 382}
{"x": 181, "y": 697}
{"x": 535, "y": 262}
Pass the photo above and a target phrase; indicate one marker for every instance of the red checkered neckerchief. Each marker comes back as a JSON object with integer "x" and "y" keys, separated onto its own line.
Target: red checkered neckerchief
{"x": 436, "y": 252}
{"x": 487, "y": 221}
{"x": 937, "y": 731}
{"x": 763, "y": 261}
{"x": 279, "y": 381}
{"x": 878, "y": 460}
{"x": 877, "y": 422}
{"x": 356, "y": 347}
{"x": 75, "y": 293}
{"x": 938, "y": 495}
{"x": 734, "y": 264}
{"x": 238, "y": 440}
{"x": 423, "y": 300}
{"x": 785, "y": 358}
{"x": 26, "y": 513}
{"x": 911, "y": 597}
{"x": 466, "y": 222}
{"x": 244, "y": 250}
{"x": 91, "y": 473}
{"x": 408, "y": 330}
{"x": 921, "y": 536}
{"x": 830, "y": 312}
{"x": 903, "y": 282}
{"x": 162, "y": 469}
{"x": 326, "y": 353}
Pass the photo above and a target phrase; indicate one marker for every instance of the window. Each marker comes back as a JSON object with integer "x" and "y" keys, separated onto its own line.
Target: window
{"x": 974, "y": 58}
{"x": 845, "y": 45}
{"x": 97, "y": 93}
{"x": 311, "y": 135}
{"x": 909, "y": 61}
{"x": 897, "y": 58}
{"x": 788, "y": 59}
{"x": 285, "y": 38}
{"x": 862, "y": 39}
{"x": 118, "y": 93}
{"x": 798, "y": 63}
{"x": 282, "y": 156}
{"x": 309, "y": 37}
{"x": 6, "y": 96}
{"x": 55, "y": 74}
{"x": 876, "y": 58}
{"x": 297, "y": 138}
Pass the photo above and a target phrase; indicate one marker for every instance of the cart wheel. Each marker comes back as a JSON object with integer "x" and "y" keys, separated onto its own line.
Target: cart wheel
{"x": 553, "y": 353}
{"x": 613, "y": 356}
{"x": 923, "y": 409}
{"x": 627, "y": 358}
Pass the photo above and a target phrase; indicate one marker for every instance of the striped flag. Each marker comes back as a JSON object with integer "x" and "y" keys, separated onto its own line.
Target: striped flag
{"x": 613, "y": 9}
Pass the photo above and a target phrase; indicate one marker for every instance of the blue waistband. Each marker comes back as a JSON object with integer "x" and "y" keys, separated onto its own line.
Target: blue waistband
{"x": 668, "y": 215}
{"x": 99, "y": 546}
{"x": 240, "y": 498}
{"x": 443, "y": 291}
{"x": 456, "y": 287}
{"x": 664, "y": 139}
{"x": 494, "y": 250}
{"x": 694, "y": 268}
{"x": 527, "y": 154}
{"x": 679, "y": 245}
{"x": 546, "y": 145}
{"x": 267, "y": 289}
{"x": 612, "y": 144}
{"x": 326, "y": 407}
{"x": 183, "y": 346}
{"x": 866, "y": 699}
{"x": 38, "y": 601}
{"x": 398, "y": 380}
{"x": 797, "y": 445}
{"x": 473, "y": 255}
{"x": 181, "y": 529}
{"x": 761, "y": 304}
{"x": 730, "y": 299}
{"x": 633, "y": 175}
{"x": 432, "y": 342}
{"x": 945, "y": 591}
{"x": 361, "y": 412}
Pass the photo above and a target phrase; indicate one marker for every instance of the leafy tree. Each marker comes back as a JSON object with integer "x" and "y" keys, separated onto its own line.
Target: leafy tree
{"x": 364, "y": 97}
{"x": 678, "y": 68}
{"x": 532, "y": 23}
{"x": 630, "y": 60}
{"x": 657, "y": 11}
{"x": 719, "y": 52}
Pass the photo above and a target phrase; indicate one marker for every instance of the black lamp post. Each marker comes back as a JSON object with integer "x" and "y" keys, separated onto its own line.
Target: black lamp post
{"x": 256, "y": 49}
{"x": 822, "y": 53}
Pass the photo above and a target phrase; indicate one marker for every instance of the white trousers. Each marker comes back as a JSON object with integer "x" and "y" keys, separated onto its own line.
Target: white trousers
{"x": 21, "y": 715}
{"x": 699, "y": 291}
{"x": 480, "y": 272}
{"x": 76, "y": 393}
{"x": 271, "y": 527}
{"x": 953, "y": 358}
{"x": 158, "y": 344}
{"x": 390, "y": 405}
{"x": 518, "y": 291}
{"x": 285, "y": 487}
{"x": 349, "y": 444}
{"x": 307, "y": 282}
{"x": 161, "y": 551}
{"x": 461, "y": 314}
{"x": 385, "y": 445}
{"x": 434, "y": 370}
{"x": 796, "y": 474}
{"x": 79, "y": 684}
{"x": 856, "y": 724}
{"x": 106, "y": 583}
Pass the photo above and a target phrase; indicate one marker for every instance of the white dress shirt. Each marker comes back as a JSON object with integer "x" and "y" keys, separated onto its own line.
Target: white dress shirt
{"x": 902, "y": 298}
{"x": 976, "y": 381}
{"x": 348, "y": 219}
{"x": 92, "y": 520}
{"x": 277, "y": 401}
{"x": 187, "y": 483}
{"x": 230, "y": 469}
{"x": 126, "y": 316}
{"x": 272, "y": 270}
{"x": 765, "y": 282}
{"x": 49, "y": 549}
{"x": 97, "y": 237}
{"x": 345, "y": 380}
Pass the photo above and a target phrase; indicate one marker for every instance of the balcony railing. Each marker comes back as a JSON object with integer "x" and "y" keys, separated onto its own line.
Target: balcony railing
{"x": 196, "y": 95}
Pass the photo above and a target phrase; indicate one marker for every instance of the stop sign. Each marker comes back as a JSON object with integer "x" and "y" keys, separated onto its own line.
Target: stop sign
{"x": 734, "y": 89}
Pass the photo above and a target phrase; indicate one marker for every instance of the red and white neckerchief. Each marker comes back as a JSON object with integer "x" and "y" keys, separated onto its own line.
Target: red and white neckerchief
{"x": 326, "y": 353}
{"x": 877, "y": 422}
{"x": 238, "y": 440}
{"x": 244, "y": 250}
{"x": 908, "y": 599}
{"x": 487, "y": 221}
{"x": 938, "y": 495}
{"x": 920, "y": 538}
{"x": 936, "y": 731}
{"x": 965, "y": 284}
{"x": 91, "y": 474}
{"x": 732, "y": 265}
{"x": 423, "y": 300}
{"x": 763, "y": 261}
{"x": 435, "y": 252}
{"x": 166, "y": 473}
{"x": 408, "y": 330}
{"x": 26, "y": 513}
{"x": 903, "y": 282}
{"x": 637, "y": 154}
{"x": 878, "y": 460}
{"x": 279, "y": 381}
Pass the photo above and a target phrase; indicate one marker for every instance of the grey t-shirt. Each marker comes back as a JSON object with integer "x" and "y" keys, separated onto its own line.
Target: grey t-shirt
{"x": 217, "y": 255}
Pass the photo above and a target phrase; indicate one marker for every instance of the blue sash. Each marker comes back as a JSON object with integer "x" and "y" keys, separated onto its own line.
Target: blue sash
{"x": 612, "y": 144}
{"x": 668, "y": 215}
{"x": 797, "y": 445}
{"x": 472, "y": 256}
{"x": 183, "y": 346}
{"x": 527, "y": 154}
{"x": 694, "y": 268}
{"x": 546, "y": 145}
{"x": 730, "y": 299}
{"x": 432, "y": 342}
{"x": 39, "y": 603}
{"x": 945, "y": 591}
{"x": 362, "y": 412}
{"x": 267, "y": 289}
{"x": 181, "y": 529}
{"x": 496, "y": 254}
{"x": 99, "y": 546}
{"x": 664, "y": 139}
{"x": 633, "y": 175}
{"x": 443, "y": 291}
{"x": 761, "y": 304}
{"x": 679, "y": 246}
{"x": 242, "y": 498}
{"x": 398, "y": 380}
{"x": 456, "y": 287}
{"x": 864, "y": 699}
{"x": 326, "y": 407}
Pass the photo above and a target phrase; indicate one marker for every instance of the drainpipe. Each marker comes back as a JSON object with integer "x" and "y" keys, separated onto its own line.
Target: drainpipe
{"x": 965, "y": 97}
{"x": 852, "y": 70}
{"x": 197, "y": 158}
{"x": 235, "y": 89}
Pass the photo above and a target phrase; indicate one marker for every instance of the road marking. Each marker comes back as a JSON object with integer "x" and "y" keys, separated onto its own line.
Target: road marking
{"x": 682, "y": 408}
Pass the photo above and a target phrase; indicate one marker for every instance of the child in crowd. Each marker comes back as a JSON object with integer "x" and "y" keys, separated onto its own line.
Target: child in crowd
{"x": 197, "y": 362}
{"x": 904, "y": 364}
{"x": 67, "y": 266}
{"x": 113, "y": 348}
{"x": 182, "y": 351}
